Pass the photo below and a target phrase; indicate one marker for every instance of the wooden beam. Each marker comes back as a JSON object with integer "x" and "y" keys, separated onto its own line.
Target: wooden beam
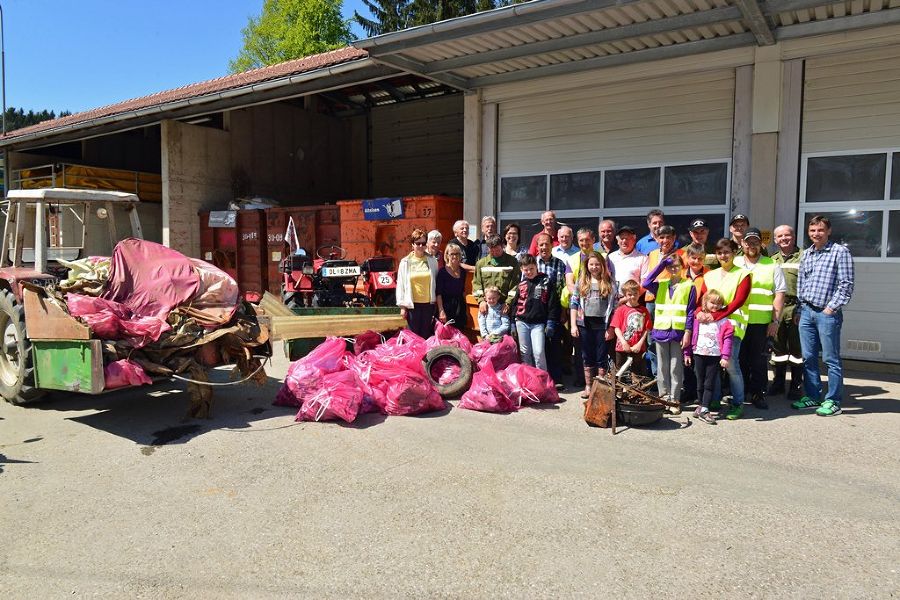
{"x": 299, "y": 327}
{"x": 757, "y": 21}
{"x": 417, "y": 68}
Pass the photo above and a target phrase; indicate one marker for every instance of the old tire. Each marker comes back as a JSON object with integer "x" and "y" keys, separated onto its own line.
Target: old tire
{"x": 16, "y": 366}
{"x": 457, "y": 388}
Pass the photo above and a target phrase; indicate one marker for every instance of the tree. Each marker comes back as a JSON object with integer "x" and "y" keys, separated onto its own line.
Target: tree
{"x": 394, "y": 15}
{"x": 289, "y": 29}
{"x": 17, "y": 118}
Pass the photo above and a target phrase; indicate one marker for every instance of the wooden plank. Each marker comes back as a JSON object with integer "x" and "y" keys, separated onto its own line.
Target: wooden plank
{"x": 71, "y": 365}
{"x": 46, "y": 320}
{"x": 273, "y": 306}
{"x": 287, "y": 328}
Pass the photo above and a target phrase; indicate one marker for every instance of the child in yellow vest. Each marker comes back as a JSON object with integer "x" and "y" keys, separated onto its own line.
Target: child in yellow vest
{"x": 673, "y": 321}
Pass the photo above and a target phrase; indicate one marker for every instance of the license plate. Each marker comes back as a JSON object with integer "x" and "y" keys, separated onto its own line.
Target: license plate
{"x": 340, "y": 271}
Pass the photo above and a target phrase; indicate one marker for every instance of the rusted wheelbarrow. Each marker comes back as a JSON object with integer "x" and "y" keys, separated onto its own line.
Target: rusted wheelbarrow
{"x": 614, "y": 400}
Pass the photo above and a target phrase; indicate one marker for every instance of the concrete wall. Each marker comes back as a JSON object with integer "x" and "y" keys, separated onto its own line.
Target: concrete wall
{"x": 196, "y": 176}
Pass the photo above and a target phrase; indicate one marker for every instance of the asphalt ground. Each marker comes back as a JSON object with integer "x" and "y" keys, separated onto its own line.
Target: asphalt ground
{"x": 116, "y": 496}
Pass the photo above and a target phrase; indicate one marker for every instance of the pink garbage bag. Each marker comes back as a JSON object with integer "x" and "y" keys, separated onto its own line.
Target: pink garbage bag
{"x": 525, "y": 384}
{"x": 445, "y": 370}
{"x": 500, "y": 355}
{"x": 487, "y": 393}
{"x": 304, "y": 376}
{"x": 406, "y": 392}
{"x": 366, "y": 341}
{"x": 339, "y": 397}
{"x": 448, "y": 335}
{"x": 110, "y": 320}
{"x": 123, "y": 373}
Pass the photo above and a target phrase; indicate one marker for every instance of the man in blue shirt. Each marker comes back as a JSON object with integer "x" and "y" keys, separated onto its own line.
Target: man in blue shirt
{"x": 649, "y": 243}
{"x": 824, "y": 287}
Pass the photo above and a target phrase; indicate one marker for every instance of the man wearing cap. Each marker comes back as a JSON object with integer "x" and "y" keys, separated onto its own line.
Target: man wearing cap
{"x": 765, "y": 305}
{"x": 738, "y": 225}
{"x": 786, "y": 351}
{"x": 628, "y": 262}
{"x": 699, "y": 231}
{"x": 607, "y": 232}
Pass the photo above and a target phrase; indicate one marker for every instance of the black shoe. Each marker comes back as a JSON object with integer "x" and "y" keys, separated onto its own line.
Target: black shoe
{"x": 776, "y": 388}
{"x": 795, "y": 393}
{"x": 759, "y": 401}
{"x": 560, "y": 387}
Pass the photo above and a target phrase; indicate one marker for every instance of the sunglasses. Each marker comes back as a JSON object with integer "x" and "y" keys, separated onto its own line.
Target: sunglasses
{"x": 418, "y": 243}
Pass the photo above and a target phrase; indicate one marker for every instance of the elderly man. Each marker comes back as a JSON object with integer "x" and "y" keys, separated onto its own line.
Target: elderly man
{"x": 488, "y": 228}
{"x": 555, "y": 270}
{"x": 824, "y": 286}
{"x": 628, "y": 262}
{"x": 496, "y": 269}
{"x": 549, "y": 226}
{"x": 565, "y": 244}
{"x": 786, "y": 351}
{"x": 607, "y": 242}
{"x": 433, "y": 246}
{"x": 469, "y": 248}
{"x": 765, "y": 305}
{"x": 647, "y": 244}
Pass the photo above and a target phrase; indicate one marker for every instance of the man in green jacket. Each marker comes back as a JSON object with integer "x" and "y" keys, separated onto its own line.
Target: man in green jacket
{"x": 786, "y": 348}
{"x": 496, "y": 269}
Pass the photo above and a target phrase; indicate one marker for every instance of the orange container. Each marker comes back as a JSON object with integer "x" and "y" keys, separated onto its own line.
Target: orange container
{"x": 315, "y": 225}
{"x": 238, "y": 250}
{"x": 363, "y": 239}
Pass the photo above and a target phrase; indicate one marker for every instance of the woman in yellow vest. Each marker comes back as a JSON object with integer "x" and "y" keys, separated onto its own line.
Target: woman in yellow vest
{"x": 673, "y": 322}
{"x": 734, "y": 283}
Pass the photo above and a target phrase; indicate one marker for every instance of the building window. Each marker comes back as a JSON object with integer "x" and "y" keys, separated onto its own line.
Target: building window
{"x": 575, "y": 190}
{"x": 684, "y": 191}
{"x": 860, "y": 193}
{"x": 523, "y": 193}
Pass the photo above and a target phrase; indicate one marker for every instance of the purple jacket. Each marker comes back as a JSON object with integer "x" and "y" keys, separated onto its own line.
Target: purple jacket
{"x": 725, "y": 335}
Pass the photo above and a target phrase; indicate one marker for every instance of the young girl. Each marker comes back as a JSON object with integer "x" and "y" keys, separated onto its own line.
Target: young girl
{"x": 537, "y": 313}
{"x": 591, "y": 306}
{"x": 711, "y": 343}
{"x": 672, "y": 324}
{"x": 493, "y": 324}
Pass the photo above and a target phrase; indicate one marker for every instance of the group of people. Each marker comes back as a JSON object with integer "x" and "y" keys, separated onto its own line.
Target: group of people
{"x": 705, "y": 318}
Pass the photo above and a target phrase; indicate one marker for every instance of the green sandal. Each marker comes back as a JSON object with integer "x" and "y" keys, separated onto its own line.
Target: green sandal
{"x": 805, "y": 403}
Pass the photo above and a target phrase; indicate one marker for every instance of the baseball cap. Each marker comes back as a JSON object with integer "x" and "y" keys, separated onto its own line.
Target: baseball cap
{"x": 698, "y": 224}
{"x": 625, "y": 229}
{"x": 752, "y": 232}
{"x": 739, "y": 217}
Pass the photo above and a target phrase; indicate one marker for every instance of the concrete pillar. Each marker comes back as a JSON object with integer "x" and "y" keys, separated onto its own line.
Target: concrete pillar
{"x": 787, "y": 183}
{"x": 489, "y": 116}
{"x": 767, "y": 92}
{"x": 741, "y": 158}
{"x": 472, "y": 158}
{"x": 196, "y": 175}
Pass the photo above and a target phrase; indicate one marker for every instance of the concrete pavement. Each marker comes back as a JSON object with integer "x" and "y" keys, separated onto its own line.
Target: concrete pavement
{"x": 114, "y": 496}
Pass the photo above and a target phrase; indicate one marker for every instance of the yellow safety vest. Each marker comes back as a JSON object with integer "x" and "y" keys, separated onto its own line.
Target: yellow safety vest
{"x": 727, "y": 285}
{"x": 762, "y": 294}
{"x": 671, "y": 313}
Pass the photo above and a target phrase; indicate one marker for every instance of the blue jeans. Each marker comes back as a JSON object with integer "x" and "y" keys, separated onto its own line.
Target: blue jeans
{"x": 820, "y": 330}
{"x": 531, "y": 344}
{"x": 735, "y": 377}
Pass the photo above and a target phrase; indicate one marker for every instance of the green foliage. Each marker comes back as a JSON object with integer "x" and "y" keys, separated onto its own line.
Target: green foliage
{"x": 394, "y": 15}
{"x": 289, "y": 29}
{"x": 17, "y": 118}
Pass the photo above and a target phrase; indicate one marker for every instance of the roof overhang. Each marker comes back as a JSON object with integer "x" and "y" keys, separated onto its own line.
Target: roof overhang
{"x": 356, "y": 72}
{"x": 553, "y": 37}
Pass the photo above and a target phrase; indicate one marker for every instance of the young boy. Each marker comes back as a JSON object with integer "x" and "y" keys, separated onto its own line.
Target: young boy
{"x": 537, "y": 313}
{"x": 493, "y": 325}
{"x": 631, "y": 323}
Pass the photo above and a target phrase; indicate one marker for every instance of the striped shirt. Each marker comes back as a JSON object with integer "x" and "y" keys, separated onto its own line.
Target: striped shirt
{"x": 825, "y": 278}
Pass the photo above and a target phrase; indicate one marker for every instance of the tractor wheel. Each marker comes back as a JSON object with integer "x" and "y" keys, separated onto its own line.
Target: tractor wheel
{"x": 16, "y": 367}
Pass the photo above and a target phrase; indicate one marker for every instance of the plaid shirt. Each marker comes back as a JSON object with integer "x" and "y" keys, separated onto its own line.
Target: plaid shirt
{"x": 825, "y": 278}
{"x": 555, "y": 270}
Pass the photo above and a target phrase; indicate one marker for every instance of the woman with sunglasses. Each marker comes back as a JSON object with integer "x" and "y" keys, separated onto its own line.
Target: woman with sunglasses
{"x": 416, "y": 281}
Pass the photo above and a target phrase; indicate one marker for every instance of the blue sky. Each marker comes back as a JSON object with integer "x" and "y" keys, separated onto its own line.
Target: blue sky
{"x": 80, "y": 54}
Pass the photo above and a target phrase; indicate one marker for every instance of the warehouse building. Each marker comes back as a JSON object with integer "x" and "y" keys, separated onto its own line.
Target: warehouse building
{"x": 776, "y": 109}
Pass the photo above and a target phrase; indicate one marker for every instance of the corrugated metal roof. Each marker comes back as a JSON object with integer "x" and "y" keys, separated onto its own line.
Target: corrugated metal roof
{"x": 551, "y": 36}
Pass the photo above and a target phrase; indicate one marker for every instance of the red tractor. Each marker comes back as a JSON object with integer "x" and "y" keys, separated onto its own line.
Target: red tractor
{"x": 330, "y": 279}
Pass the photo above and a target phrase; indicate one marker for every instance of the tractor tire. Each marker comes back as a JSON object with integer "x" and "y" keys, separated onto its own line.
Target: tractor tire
{"x": 456, "y": 388}
{"x": 16, "y": 366}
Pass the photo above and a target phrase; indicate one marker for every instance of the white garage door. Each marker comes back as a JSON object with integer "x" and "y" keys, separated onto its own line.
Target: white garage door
{"x": 850, "y": 171}
{"x": 617, "y": 150}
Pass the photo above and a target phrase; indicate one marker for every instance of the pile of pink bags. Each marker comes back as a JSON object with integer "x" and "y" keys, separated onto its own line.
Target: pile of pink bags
{"x": 334, "y": 383}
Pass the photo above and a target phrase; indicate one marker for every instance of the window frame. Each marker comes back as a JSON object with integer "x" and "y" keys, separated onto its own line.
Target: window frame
{"x": 885, "y": 205}
{"x": 613, "y": 213}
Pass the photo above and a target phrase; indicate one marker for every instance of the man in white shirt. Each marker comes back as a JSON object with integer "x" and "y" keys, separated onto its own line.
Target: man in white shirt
{"x": 627, "y": 261}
